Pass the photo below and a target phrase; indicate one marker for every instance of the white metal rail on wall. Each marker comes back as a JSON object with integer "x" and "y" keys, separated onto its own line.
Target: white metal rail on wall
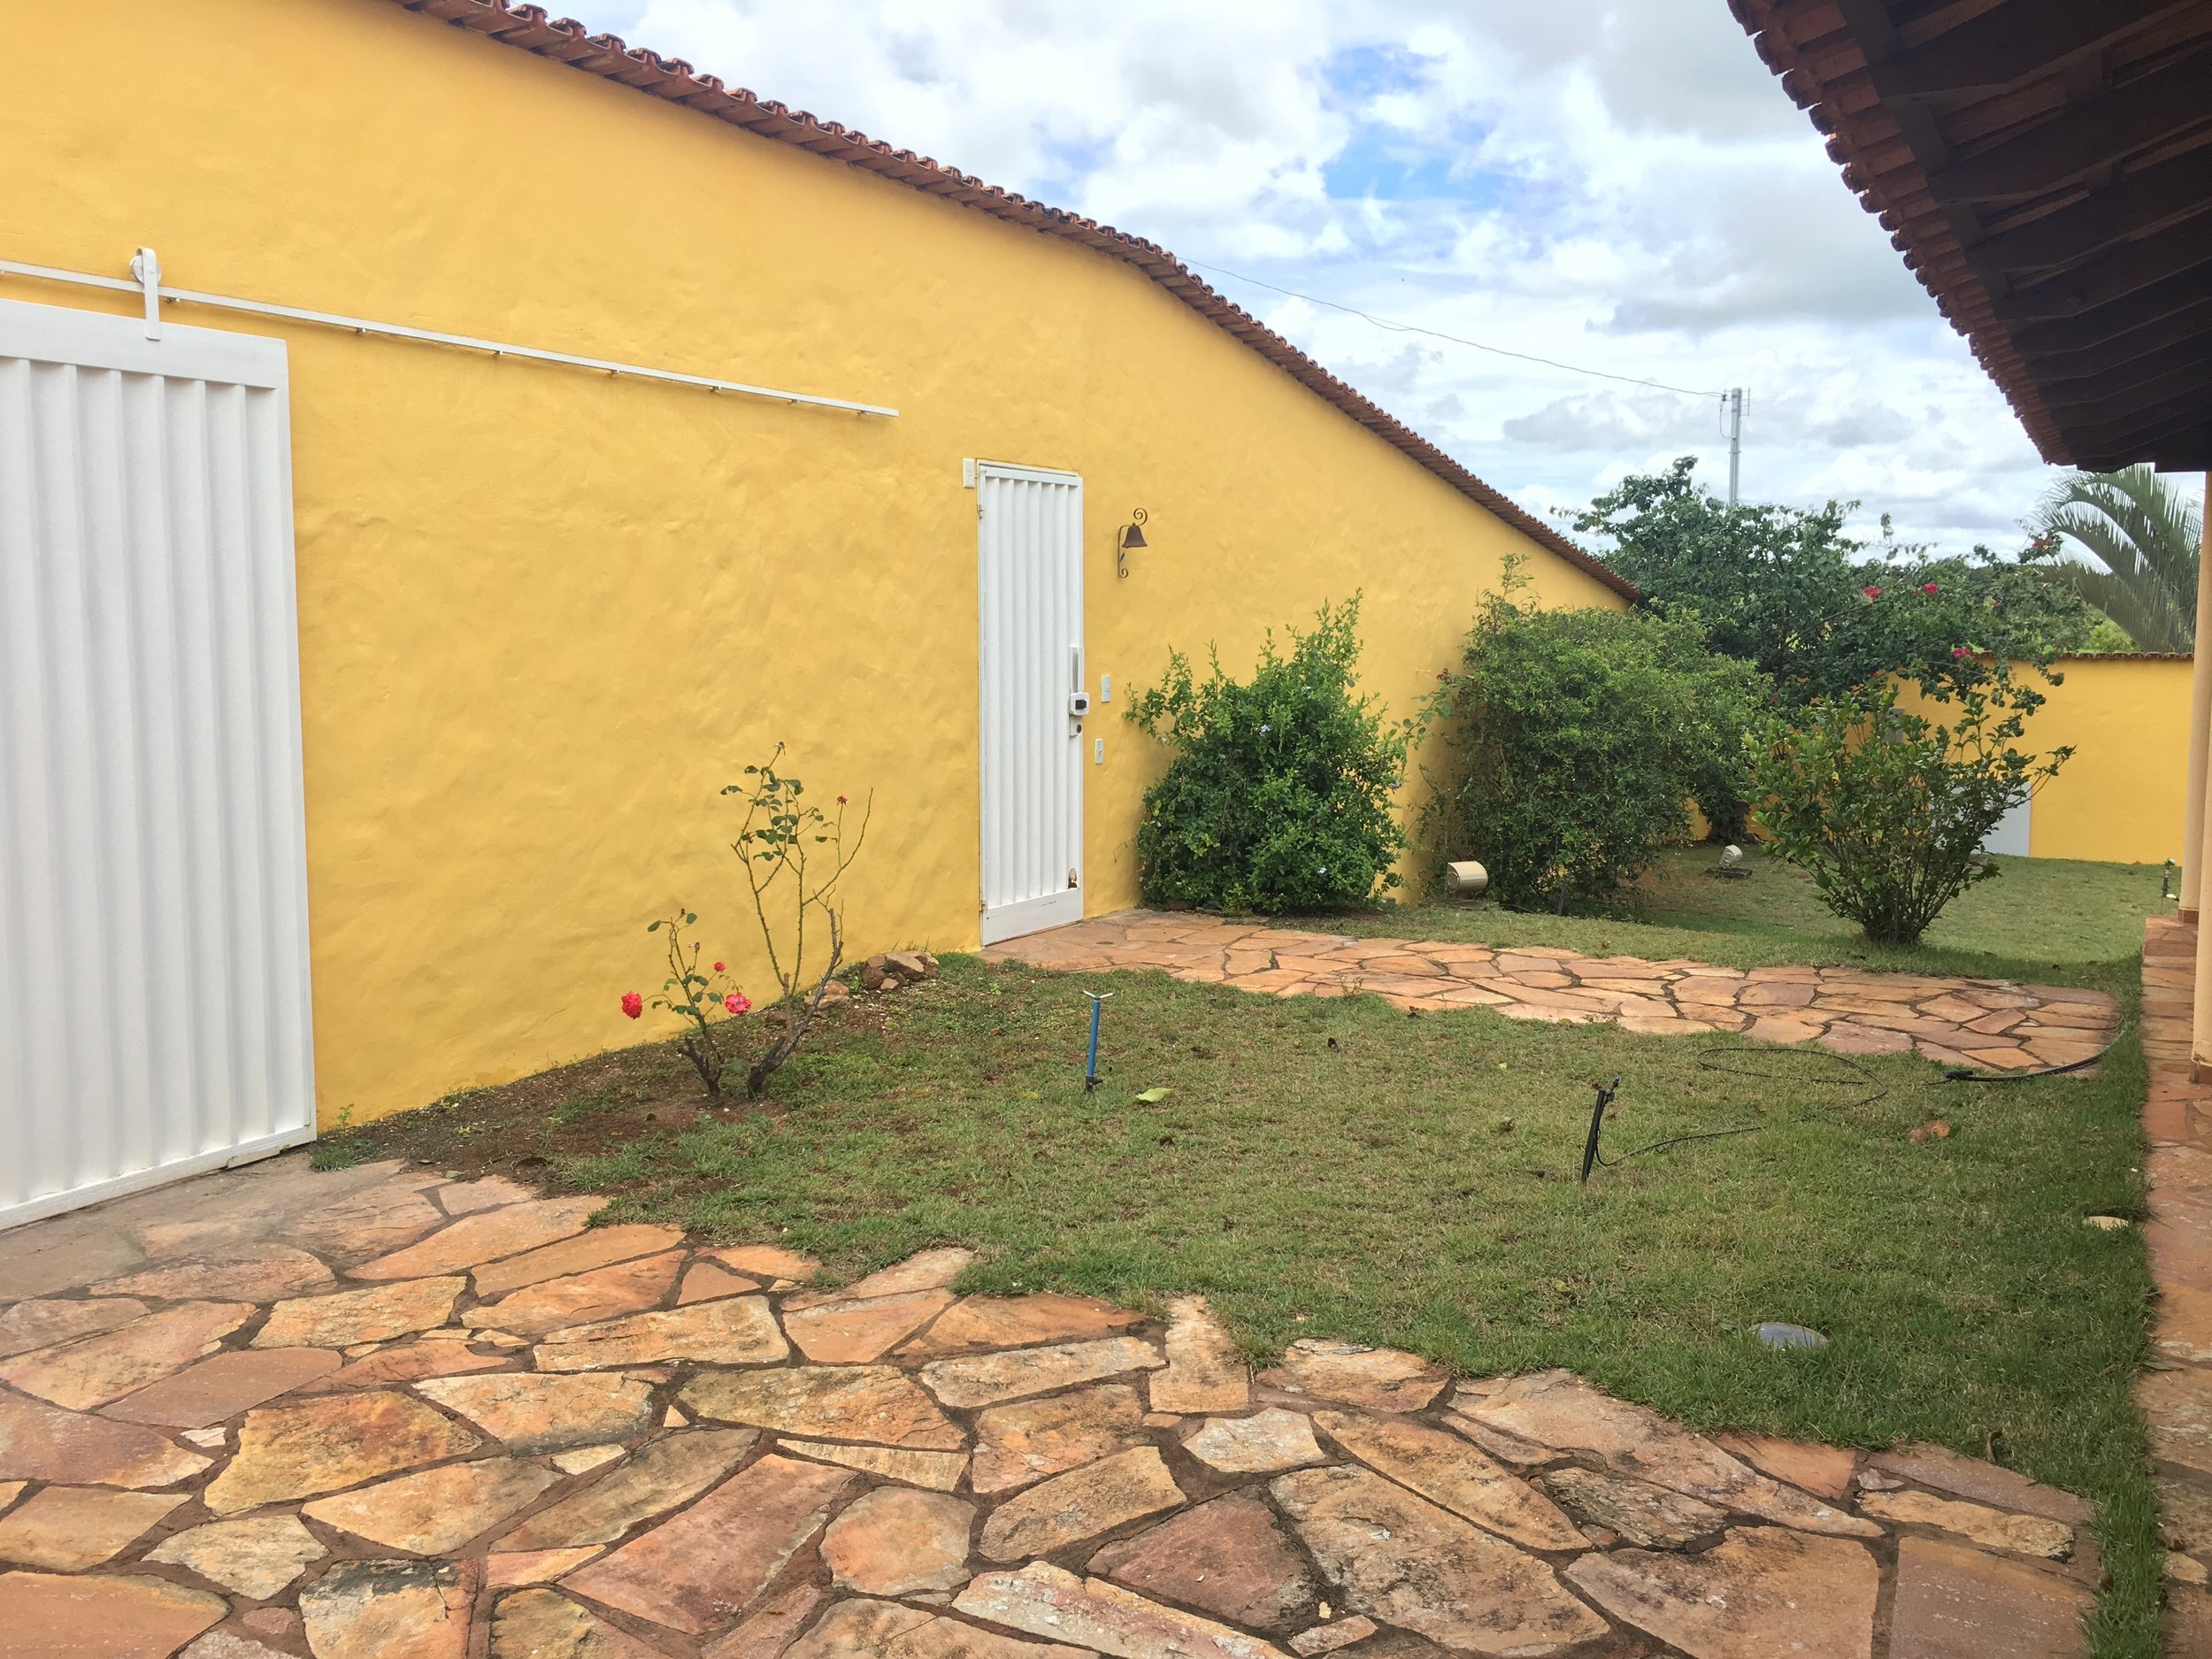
{"x": 146, "y": 283}
{"x": 154, "y": 988}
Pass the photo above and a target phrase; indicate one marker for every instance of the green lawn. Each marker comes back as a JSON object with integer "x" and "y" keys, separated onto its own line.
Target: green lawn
{"x": 1338, "y": 1167}
{"x": 2039, "y": 918}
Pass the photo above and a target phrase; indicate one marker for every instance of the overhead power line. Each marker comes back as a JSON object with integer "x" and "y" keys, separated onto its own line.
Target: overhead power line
{"x": 1395, "y": 326}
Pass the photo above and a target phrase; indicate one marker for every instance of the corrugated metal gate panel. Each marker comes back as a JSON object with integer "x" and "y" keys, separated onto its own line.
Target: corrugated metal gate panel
{"x": 153, "y": 1006}
{"x": 1030, "y": 570}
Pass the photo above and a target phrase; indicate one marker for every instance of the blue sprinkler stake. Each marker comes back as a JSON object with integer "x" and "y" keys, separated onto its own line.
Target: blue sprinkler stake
{"x": 1090, "y": 1068}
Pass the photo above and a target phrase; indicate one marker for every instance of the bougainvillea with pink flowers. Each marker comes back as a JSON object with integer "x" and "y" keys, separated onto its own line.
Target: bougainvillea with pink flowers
{"x": 1823, "y": 608}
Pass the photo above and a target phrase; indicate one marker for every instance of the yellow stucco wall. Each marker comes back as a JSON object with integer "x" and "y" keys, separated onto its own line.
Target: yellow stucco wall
{"x": 544, "y": 616}
{"x": 2121, "y": 797}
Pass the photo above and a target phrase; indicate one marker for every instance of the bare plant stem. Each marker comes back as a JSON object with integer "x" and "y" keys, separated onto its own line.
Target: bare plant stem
{"x": 797, "y": 1017}
{"x": 775, "y": 841}
{"x": 698, "y": 1044}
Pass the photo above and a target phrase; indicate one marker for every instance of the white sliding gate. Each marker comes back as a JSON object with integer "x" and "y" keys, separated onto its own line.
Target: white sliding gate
{"x": 154, "y": 1015}
{"x": 1030, "y": 539}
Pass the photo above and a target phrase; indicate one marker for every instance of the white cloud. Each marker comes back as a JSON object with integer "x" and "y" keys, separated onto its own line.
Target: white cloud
{"x": 1617, "y": 184}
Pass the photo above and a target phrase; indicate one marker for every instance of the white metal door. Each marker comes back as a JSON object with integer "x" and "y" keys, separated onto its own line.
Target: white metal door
{"x": 1031, "y": 579}
{"x": 154, "y": 1015}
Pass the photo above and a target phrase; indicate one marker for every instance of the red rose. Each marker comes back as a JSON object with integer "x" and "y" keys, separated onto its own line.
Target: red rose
{"x": 1872, "y": 593}
{"x": 738, "y": 1003}
{"x": 717, "y": 967}
{"x": 633, "y": 1004}
{"x": 1928, "y": 587}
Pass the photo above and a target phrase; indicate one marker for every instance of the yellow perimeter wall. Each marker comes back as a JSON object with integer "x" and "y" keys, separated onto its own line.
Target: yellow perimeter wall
{"x": 2121, "y": 797}
{"x": 545, "y": 616}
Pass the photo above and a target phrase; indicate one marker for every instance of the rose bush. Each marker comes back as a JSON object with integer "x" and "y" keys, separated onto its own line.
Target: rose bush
{"x": 793, "y": 855}
{"x": 693, "y": 997}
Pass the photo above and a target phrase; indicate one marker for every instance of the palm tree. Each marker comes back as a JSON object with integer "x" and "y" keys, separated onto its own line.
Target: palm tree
{"x": 2148, "y": 537}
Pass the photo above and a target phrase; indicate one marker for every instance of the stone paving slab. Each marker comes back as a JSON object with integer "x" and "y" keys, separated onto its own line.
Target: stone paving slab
{"x": 1990, "y": 1023}
{"x": 2177, "y": 1402}
{"x": 392, "y": 1476}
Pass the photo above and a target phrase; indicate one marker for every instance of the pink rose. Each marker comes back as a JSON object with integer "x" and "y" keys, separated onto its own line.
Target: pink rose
{"x": 1958, "y": 650}
{"x": 738, "y": 1003}
{"x": 633, "y": 1004}
{"x": 1927, "y": 588}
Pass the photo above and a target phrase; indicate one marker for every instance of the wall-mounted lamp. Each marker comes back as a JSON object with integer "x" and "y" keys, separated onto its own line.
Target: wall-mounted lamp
{"x": 1129, "y": 535}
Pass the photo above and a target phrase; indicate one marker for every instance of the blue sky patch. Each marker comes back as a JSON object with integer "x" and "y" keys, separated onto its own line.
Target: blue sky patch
{"x": 1359, "y": 72}
{"x": 1390, "y": 167}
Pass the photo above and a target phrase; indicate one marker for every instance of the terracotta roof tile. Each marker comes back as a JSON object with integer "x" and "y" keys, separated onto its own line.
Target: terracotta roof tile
{"x": 566, "y": 41}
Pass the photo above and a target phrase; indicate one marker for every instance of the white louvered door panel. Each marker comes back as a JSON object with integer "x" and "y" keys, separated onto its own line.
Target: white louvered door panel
{"x": 154, "y": 1012}
{"x": 1031, "y": 580}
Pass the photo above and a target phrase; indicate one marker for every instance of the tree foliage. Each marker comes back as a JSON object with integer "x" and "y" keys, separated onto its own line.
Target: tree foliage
{"x": 1278, "y": 797}
{"x": 1818, "y": 611}
{"x": 1573, "y": 739}
{"x": 1887, "y": 809}
{"x": 2148, "y": 538}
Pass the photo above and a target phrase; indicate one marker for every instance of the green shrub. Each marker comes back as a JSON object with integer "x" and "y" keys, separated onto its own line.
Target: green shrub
{"x": 1278, "y": 797}
{"x": 1886, "y": 808}
{"x": 1571, "y": 740}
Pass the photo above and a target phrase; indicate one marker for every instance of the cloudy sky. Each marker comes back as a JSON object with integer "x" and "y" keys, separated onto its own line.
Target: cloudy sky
{"x": 1616, "y": 184}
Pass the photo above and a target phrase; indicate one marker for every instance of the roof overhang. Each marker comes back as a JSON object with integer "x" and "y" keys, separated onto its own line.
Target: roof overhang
{"x": 2046, "y": 168}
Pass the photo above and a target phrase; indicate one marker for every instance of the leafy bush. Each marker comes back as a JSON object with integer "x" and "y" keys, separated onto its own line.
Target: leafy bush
{"x": 706, "y": 1003}
{"x": 1886, "y": 808}
{"x": 1572, "y": 739}
{"x": 1279, "y": 796}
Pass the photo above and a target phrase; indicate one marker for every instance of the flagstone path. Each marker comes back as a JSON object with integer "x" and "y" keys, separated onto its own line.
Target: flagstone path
{"x": 2177, "y": 1401}
{"x": 1994, "y": 1023}
{"x": 374, "y": 1414}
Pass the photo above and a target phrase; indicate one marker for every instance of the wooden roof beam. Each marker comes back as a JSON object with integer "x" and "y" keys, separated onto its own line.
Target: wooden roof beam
{"x": 2084, "y": 137}
{"x": 2117, "y": 396}
{"x": 2189, "y": 451}
{"x": 2127, "y": 268}
{"x": 2008, "y": 43}
{"x": 2126, "y": 208}
{"x": 2140, "y": 427}
{"x": 2094, "y": 327}
{"x": 2176, "y": 330}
